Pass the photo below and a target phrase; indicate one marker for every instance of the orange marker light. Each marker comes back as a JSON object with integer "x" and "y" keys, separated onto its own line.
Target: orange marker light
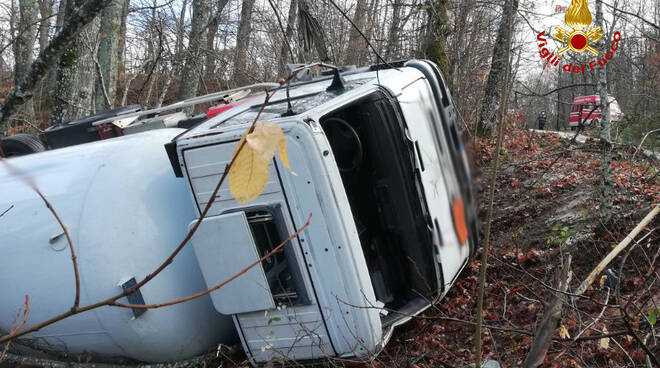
{"x": 458, "y": 210}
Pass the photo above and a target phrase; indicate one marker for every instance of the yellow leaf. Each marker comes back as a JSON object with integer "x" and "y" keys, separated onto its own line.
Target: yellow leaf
{"x": 268, "y": 138}
{"x": 605, "y": 341}
{"x": 602, "y": 281}
{"x": 249, "y": 173}
{"x": 563, "y": 332}
{"x": 265, "y": 139}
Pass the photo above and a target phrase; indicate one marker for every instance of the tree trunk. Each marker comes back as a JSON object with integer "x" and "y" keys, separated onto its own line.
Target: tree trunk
{"x": 211, "y": 55}
{"x": 180, "y": 34}
{"x": 240, "y": 76}
{"x": 605, "y": 186}
{"x": 59, "y": 45}
{"x": 121, "y": 49}
{"x": 357, "y": 46}
{"x": 106, "y": 84}
{"x": 459, "y": 53}
{"x": 25, "y": 38}
{"x": 393, "y": 35}
{"x": 436, "y": 36}
{"x": 195, "y": 54}
{"x": 74, "y": 86}
{"x": 46, "y": 10}
{"x": 286, "y": 43}
{"x": 495, "y": 83}
{"x": 59, "y": 20}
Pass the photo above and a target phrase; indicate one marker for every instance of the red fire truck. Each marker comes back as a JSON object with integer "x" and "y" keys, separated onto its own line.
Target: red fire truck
{"x": 586, "y": 109}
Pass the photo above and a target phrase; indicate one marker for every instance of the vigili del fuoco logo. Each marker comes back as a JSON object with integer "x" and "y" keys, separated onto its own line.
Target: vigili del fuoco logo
{"x": 578, "y": 39}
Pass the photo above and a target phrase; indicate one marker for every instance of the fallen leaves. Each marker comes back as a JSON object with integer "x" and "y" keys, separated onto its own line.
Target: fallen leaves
{"x": 563, "y": 332}
{"x": 250, "y": 171}
{"x": 605, "y": 341}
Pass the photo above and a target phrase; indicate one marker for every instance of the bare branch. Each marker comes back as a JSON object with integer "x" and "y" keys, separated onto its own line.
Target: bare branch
{"x": 30, "y": 183}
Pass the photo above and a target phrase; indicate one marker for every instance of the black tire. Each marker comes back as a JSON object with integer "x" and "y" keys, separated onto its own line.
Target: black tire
{"x": 21, "y": 144}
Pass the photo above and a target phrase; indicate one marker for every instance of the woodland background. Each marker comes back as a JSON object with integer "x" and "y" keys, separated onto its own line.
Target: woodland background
{"x": 156, "y": 52}
{"x": 549, "y": 204}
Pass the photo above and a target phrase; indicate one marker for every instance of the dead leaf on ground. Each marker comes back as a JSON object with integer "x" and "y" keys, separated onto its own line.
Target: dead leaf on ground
{"x": 563, "y": 332}
{"x": 605, "y": 341}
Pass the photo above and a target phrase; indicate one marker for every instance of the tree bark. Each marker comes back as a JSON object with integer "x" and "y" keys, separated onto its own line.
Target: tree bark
{"x": 76, "y": 70}
{"x": 47, "y": 58}
{"x": 180, "y": 34}
{"x": 496, "y": 82}
{"x": 46, "y": 11}
{"x": 459, "y": 53}
{"x": 393, "y": 35}
{"x": 436, "y": 36}
{"x": 288, "y": 34}
{"x": 240, "y": 76}
{"x": 24, "y": 46}
{"x": 59, "y": 20}
{"x": 195, "y": 54}
{"x": 121, "y": 49}
{"x": 108, "y": 52}
{"x": 212, "y": 55}
{"x": 357, "y": 46}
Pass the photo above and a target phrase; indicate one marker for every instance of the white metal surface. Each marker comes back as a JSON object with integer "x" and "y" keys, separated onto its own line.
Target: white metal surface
{"x": 224, "y": 246}
{"x": 126, "y": 212}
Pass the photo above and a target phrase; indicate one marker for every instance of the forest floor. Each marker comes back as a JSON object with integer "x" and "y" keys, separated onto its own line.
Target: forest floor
{"x": 547, "y": 205}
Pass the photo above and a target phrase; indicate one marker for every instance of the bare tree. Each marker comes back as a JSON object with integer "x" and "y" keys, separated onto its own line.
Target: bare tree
{"x": 357, "y": 46}
{"x": 46, "y": 11}
{"x": 393, "y": 34}
{"x": 121, "y": 48}
{"x": 211, "y": 54}
{"x": 24, "y": 45}
{"x": 108, "y": 52}
{"x": 195, "y": 53}
{"x": 243, "y": 43}
{"x": 285, "y": 49}
{"x": 436, "y": 35}
{"x": 496, "y": 82}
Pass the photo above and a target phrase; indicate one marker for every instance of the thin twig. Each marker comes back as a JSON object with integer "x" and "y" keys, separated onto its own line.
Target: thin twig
{"x": 26, "y": 312}
{"x": 489, "y": 217}
{"x": 32, "y": 185}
